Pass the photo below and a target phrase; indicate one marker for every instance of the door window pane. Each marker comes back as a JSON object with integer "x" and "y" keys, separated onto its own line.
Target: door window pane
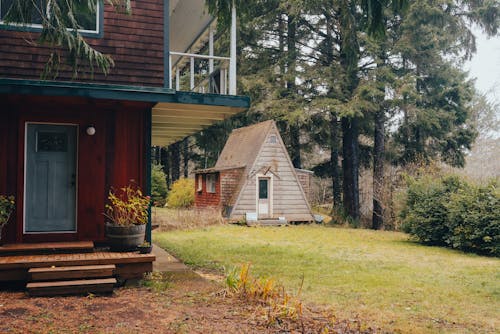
{"x": 263, "y": 189}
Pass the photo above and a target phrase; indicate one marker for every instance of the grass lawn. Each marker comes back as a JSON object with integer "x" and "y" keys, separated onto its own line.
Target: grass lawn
{"x": 380, "y": 276}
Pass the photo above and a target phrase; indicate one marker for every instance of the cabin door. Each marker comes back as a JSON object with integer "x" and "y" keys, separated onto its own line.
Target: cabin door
{"x": 50, "y": 178}
{"x": 263, "y": 191}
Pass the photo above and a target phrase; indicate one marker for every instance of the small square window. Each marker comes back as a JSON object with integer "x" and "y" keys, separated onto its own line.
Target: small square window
{"x": 273, "y": 139}
{"x": 211, "y": 178}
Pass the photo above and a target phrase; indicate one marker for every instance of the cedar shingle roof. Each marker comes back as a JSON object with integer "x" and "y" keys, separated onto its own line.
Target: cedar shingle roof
{"x": 243, "y": 145}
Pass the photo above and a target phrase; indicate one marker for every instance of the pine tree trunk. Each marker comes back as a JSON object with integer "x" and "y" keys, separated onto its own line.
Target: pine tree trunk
{"x": 350, "y": 164}
{"x": 295, "y": 145}
{"x": 291, "y": 63}
{"x": 378, "y": 170}
{"x": 176, "y": 161}
{"x": 334, "y": 161}
{"x": 165, "y": 163}
{"x": 185, "y": 157}
{"x": 349, "y": 57}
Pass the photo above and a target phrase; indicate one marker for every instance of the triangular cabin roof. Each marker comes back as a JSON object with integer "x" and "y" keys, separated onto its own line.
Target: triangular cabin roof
{"x": 243, "y": 146}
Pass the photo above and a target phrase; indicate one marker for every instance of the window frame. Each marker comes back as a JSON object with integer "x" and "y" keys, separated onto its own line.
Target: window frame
{"x": 211, "y": 181}
{"x": 36, "y": 27}
{"x": 199, "y": 183}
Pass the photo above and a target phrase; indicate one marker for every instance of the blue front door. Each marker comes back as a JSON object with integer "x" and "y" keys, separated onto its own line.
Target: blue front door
{"x": 50, "y": 183}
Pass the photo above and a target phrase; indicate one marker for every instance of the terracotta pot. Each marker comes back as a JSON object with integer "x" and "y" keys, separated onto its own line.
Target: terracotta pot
{"x": 125, "y": 238}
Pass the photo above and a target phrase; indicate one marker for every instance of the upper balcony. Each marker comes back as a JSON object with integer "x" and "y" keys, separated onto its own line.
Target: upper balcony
{"x": 193, "y": 66}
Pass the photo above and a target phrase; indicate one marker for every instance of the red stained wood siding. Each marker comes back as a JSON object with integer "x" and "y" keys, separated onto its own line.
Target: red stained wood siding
{"x": 230, "y": 182}
{"x": 135, "y": 42}
{"x": 204, "y": 199}
{"x": 112, "y": 157}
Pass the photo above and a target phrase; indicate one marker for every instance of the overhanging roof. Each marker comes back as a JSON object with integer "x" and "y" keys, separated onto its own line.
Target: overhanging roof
{"x": 175, "y": 115}
{"x": 172, "y": 122}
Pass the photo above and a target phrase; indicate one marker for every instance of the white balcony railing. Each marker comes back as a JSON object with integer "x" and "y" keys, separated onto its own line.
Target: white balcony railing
{"x": 200, "y": 73}
{"x": 205, "y": 73}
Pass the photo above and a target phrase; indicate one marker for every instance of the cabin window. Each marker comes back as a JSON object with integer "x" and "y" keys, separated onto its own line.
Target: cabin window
{"x": 273, "y": 139}
{"x": 90, "y": 21}
{"x": 199, "y": 183}
{"x": 211, "y": 183}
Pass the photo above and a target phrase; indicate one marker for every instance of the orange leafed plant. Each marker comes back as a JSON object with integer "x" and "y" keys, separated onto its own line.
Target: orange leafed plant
{"x": 128, "y": 206}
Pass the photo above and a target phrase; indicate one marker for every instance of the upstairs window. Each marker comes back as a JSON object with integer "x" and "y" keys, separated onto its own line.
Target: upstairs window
{"x": 272, "y": 139}
{"x": 89, "y": 20}
{"x": 211, "y": 178}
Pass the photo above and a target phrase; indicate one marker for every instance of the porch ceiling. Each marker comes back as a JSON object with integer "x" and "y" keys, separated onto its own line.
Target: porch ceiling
{"x": 172, "y": 122}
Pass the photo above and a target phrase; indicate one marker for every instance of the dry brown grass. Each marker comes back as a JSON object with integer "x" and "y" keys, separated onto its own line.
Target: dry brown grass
{"x": 185, "y": 219}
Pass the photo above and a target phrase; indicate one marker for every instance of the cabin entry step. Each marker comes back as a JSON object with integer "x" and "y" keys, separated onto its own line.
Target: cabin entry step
{"x": 71, "y": 272}
{"x": 57, "y": 288}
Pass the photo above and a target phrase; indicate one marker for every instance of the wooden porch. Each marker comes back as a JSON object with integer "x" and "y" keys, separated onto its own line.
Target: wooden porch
{"x": 69, "y": 268}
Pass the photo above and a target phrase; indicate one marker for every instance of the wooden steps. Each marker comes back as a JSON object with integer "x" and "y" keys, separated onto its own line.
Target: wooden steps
{"x": 71, "y": 272}
{"x": 71, "y": 280}
{"x": 56, "y": 288}
{"x": 47, "y": 248}
{"x": 268, "y": 222}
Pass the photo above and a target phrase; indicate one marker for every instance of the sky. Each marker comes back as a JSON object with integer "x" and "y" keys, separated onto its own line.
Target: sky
{"x": 485, "y": 65}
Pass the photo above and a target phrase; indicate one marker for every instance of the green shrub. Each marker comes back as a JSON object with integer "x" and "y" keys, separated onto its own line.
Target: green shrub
{"x": 158, "y": 185}
{"x": 425, "y": 213}
{"x": 182, "y": 194}
{"x": 474, "y": 219}
{"x": 450, "y": 212}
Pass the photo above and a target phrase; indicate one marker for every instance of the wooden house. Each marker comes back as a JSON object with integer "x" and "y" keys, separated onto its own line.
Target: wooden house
{"x": 254, "y": 177}
{"x": 65, "y": 143}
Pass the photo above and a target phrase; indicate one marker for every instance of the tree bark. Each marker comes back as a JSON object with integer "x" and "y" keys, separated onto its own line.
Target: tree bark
{"x": 165, "y": 163}
{"x": 292, "y": 89}
{"x": 295, "y": 145}
{"x": 350, "y": 164}
{"x": 185, "y": 157}
{"x": 176, "y": 161}
{"x": 334, "y": 161}
{"x": 378, "y": 170}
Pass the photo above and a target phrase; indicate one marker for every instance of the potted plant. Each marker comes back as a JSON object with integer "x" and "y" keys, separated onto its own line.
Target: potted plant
{"x": 6, "y": 207}
{"x": 145, "y": 248}
{"x": 127, "y": 215}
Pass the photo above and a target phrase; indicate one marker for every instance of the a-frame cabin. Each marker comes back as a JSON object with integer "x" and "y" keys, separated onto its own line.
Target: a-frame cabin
{"x": 254, "y": 175}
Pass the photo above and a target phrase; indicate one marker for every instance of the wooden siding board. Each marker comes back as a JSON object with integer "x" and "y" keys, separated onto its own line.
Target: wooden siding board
{"x": 134, "y": 41}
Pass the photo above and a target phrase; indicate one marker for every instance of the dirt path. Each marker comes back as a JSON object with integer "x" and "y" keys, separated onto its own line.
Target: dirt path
{"x": 181, "y": 303}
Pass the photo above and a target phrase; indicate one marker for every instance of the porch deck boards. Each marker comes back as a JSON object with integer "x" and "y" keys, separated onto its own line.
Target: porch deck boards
{"x": 36, "y": 261}
{"x": 76, "y": 246}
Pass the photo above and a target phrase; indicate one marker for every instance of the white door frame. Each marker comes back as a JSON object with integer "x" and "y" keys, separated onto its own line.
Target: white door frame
{"x": 270, "y": 193}
{"x": 76, "y": 175}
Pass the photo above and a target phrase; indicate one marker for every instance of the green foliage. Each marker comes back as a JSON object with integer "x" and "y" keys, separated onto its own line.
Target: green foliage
{"x": 474, "y": 219}
{"x": 7, "y": 204}
{"x": 182, "y": 194}
{"x": 451, "y": 212}
{"x": 61, "y": 32}
{"x": 158, "y": 185}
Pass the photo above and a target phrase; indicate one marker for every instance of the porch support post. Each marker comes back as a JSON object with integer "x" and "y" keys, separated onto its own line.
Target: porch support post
{"x": 147, "y": 166}
{"x": 211, "y": 50}
{"x": 232, "y": 62}
{"x": 167, "y": 76}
